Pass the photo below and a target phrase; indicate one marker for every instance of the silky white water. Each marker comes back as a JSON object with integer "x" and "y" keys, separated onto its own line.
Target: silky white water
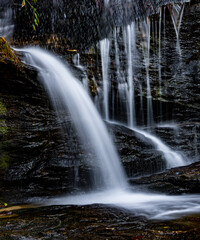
{"x": 65, "y": 90}
{"x": 153, "y": 206}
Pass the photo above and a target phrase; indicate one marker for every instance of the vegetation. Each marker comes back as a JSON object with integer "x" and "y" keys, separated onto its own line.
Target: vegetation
{"x": 35, "y": 13}
{"x": 6, "y": 52}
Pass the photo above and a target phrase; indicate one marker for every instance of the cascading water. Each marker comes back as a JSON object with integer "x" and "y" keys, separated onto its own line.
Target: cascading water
{"x": 126, "y": 82}
{"x": 65, "y": 90}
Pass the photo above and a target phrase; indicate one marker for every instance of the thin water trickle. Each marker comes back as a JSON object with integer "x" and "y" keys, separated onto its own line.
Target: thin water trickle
{"x": 159, "y": 55}
{"x": 146, "y": 31}
{"x": 195, "y": 143}
{"x": 105, "y": 48}
{"x": 6, "y": 24}
{"x": 76, "y": 60}
{"x": 177, "y": 11}
{"x": 117, "y": 56}
{"x": 126, "y": 96}
{"x": 131, "y": 95}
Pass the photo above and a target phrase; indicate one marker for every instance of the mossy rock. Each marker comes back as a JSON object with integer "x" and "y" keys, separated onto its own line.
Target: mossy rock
{"x": 6, "y": 53}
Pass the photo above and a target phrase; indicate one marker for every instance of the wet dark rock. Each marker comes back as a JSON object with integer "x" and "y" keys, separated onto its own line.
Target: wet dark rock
{"x": 175, "y": 181}
{"x": 182, "y": 137}
{"x": 63, "y": 24}
{"x": 180, "y": 69}
{"x": 91, "y": 222}
{"x": 138, "y": 155}
{"x": 77, "y": 24}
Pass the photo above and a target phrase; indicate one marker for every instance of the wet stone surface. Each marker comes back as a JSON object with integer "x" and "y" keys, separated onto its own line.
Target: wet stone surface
{"x": 133, "y": 147}
{"x": 174, "y": 181}
{"x": 92, "y": 222}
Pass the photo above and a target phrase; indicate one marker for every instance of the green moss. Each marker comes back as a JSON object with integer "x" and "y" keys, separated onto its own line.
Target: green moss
{"x": 7, "y": 53}
{"x": 4, "y": 161}
{"x": 3, "y": 127}
{"x": 7, "y": 237}
{"x": 3, "y": 109}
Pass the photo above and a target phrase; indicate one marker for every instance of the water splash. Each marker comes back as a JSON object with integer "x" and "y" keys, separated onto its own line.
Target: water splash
{"x": 152, "y": 206}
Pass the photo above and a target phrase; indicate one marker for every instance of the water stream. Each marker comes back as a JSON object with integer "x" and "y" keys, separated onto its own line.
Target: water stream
{"x": 65, "y": 90}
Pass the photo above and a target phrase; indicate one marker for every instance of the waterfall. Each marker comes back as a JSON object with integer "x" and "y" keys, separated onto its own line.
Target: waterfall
{"x": 65, "y": 90}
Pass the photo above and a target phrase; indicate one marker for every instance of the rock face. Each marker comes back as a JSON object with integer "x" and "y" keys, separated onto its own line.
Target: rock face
{"x": 138, "y": 154}
{"x": 180, "y": 68}
{"x": 175, "y": 181}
